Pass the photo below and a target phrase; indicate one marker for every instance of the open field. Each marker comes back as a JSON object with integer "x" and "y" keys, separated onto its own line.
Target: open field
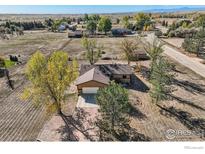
{"x": 20, "y": 120}
{"x": 177, "y": 42}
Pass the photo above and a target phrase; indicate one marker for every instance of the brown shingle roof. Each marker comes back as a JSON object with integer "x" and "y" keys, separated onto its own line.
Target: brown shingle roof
{"x": 93, "y": 75}
{"x": 102, "y": 72}
{"x": 108, "y": 69}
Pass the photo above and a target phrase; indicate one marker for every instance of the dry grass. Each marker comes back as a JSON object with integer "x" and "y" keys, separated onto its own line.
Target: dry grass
{"x": 177, "y": 42}
{"x": 185, "y": 111}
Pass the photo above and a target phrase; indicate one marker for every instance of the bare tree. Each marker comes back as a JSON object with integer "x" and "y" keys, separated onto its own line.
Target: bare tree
{"x": 129, "y": 48}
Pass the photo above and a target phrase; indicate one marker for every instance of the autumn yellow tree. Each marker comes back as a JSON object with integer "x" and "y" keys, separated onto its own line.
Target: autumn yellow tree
{"x": 50, "y": 78}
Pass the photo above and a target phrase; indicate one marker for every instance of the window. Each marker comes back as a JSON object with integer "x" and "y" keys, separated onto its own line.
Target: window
{"x": 124, "y": 76}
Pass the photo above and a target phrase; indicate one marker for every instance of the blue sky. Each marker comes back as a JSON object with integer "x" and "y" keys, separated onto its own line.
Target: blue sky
{"x": 81, "y": 9}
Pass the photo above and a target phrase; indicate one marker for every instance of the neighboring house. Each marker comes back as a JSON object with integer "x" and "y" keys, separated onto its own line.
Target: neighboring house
{"x": 75, "y": 34}
{"x": 140, "y": 55}
{"x": 62, "y": 28}
{"x": 93, "y": 77}
{"x": 72, "y": 27}
{"x": 121, "y": 32}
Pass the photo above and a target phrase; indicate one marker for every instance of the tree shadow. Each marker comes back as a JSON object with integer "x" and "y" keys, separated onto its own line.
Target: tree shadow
{"x": 190, "y": 86}
{"x": 125, "y": 134}
{"x": 187, "y": 102}
{"x": 76, "y": 123}
{"x": 135, "y": 112}
{"x": 137, "y": 84}
{"x": 67, "y": 133}
{"x": 131, "y": 134}
{"x": 195, "y": 124}
{"x": 178, "y": 71}
{"x": 145, "y": 72}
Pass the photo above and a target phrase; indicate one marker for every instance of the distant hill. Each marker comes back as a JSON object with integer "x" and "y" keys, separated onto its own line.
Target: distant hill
{"x": 182, "y": 9}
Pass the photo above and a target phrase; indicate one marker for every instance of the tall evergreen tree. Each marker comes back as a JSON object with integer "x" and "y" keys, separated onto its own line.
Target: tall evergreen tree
{"x": 114, "y": 106}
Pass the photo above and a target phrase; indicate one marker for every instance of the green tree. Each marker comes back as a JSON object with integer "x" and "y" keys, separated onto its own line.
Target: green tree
{"x": 196, "y": 43}
{"x": 94, "y": 17}
{"x": 161, "y": 78}
{"x": 114, "y": 106}
{"x": 117, "y": 20}
{"x": 6, "y": 72}
{"x": 154, "y": 50}
{"x": 158, "y": 33}
{"x": 201, "y": 21}
{"x": 93, "y": 50}
{"x": 2, "y": 62}
{"x": 142, "y": 20}
{"x": 55, "y": 25}
{"x": 86, "y": 17}
{"x": 129, "y": 48}
{"x": 49, "y": 22}
{"x": 160, "y": 72}
{"x": 104, "y": 24}
{"x": 163, "y": 23}
{"x": 49, "y": 78}
{"x": 91, "y": 26}
{"x": 125, "y": 21}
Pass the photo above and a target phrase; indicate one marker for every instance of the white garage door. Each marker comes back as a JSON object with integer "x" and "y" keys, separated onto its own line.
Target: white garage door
{"x": 90, "y": 90}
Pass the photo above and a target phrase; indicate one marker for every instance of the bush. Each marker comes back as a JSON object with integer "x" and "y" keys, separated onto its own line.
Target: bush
{"x": 158, "y": 33}
{"x": 2, "y": 62}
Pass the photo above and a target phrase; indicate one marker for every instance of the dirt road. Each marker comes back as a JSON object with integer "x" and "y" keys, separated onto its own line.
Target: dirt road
{"x": 188, "y": 62}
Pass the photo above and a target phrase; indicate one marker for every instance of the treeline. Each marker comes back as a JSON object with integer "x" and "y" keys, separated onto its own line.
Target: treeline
{"x": 17, "y": 28}
{"x": 141, "y": 22}
{"x": 186, "y": 28}
{"x": 196, "y": 43}
{"x": 23, "y": 25}
{"x": 172, "y": 16}
{"x": 96, "y": 22}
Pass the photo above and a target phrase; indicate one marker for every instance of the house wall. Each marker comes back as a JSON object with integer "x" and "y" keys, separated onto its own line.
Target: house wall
{"x": 90, "y": 84}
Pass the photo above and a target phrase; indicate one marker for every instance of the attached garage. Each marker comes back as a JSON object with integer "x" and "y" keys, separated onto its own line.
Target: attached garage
{"x": 90, "y": 90}
{"x": 91, "y": 81}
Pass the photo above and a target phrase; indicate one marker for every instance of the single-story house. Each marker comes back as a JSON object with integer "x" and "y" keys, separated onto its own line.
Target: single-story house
{"x": 61, "y": 28}
{"x": 93, "y": 77}
{"x": 75, "y": 34}
{"x": 121, "y": 31}
{"x": 140, "y": 55}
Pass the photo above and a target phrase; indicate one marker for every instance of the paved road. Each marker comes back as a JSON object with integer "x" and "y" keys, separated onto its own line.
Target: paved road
{"x": 188, "y": 62}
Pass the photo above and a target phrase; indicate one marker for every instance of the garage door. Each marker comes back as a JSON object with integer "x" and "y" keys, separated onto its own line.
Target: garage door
{"x": 90, "y": 90}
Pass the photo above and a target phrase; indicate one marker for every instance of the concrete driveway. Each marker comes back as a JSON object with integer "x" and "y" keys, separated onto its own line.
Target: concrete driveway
{"x": 87, "y": 100}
